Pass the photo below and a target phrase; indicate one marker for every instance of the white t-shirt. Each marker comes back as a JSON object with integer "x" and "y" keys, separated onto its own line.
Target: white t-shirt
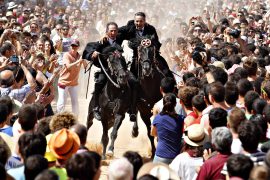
{"x": 185, "y": 166}
{"x": 65, "y": 48}
{"x": 178, "y": 107}
{"x": 236, "y": 146}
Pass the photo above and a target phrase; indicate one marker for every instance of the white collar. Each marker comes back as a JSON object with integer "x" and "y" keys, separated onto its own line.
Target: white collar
{"x": 111, "y": 41}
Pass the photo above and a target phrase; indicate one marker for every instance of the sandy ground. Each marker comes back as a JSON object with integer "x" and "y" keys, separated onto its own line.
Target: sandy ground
{"x": 124, "y": 141}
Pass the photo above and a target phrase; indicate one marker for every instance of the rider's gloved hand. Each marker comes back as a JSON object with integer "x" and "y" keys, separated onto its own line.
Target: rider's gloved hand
{"x": 95, "y": 54}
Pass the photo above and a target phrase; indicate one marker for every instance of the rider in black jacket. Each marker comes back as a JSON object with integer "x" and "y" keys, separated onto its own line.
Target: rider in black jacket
{"x": 91, "y": 52}
{"x": 137, "y": 28}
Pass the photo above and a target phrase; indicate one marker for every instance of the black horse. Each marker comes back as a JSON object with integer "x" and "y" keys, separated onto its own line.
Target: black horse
{"x": 115, "y": 98}
{"x": 149, "y": 72}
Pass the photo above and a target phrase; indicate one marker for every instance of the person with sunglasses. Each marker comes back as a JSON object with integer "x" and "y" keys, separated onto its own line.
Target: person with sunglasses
{"x": 62, "y": 42}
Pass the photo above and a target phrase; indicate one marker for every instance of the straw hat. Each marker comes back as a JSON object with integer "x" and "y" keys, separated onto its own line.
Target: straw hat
{"x": 64, "y": 143}
{"x": 219, "y": 64}
{"x": 11, "y": 5}
{"x": 195, "y": 135}
{"x": 159, "y": 170}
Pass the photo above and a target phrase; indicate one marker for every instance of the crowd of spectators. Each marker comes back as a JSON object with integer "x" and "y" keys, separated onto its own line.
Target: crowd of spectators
{"x": 213, "y": 125}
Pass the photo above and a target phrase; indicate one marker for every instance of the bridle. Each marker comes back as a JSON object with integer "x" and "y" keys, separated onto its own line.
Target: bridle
{"x": 113, "y": 70}
{"x": 146, "y": 43}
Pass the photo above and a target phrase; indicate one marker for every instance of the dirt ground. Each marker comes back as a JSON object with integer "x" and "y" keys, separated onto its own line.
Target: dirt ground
{"x": 124, "y": 141}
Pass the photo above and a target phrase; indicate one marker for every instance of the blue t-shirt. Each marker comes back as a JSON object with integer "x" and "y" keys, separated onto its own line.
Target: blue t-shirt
{"x": 169, "y": 131}
{"x": 7, "y": 130}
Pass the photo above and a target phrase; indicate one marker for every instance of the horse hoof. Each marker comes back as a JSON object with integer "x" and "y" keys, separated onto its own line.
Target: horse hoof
{"x": 135, "y": 133}
{"x": 110, "y": 153}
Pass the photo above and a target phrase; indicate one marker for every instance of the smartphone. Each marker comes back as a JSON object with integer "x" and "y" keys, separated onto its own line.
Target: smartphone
{"x": 14, "y": 59}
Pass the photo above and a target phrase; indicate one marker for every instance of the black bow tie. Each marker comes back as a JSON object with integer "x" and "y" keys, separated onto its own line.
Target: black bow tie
{"x": 140, "y": 30}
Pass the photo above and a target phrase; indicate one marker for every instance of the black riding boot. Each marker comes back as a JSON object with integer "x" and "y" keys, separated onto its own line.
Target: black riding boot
{"x": 100, "y": 81}
{"x": 133, "y": 82}
{"x": 96, "y": 110}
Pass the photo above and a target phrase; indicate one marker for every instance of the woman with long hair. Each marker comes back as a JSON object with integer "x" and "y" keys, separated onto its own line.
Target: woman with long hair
{"x": 168, "y": 127}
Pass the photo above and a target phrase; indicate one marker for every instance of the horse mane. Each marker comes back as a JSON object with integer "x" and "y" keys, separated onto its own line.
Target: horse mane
{"x": 107, "y": 50}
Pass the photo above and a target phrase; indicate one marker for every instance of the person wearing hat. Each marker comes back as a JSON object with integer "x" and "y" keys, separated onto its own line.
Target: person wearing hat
{"x": 63, "y": 144}
{"x": 68, "y": 79}
{"x": 12, "y": 5}
{"x": 186, "y": 163}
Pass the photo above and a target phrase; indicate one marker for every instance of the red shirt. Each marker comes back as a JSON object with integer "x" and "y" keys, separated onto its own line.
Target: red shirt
{"x": 211, "y": 169}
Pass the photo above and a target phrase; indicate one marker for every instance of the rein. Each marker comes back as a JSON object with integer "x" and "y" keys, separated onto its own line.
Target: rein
{"x": 108, "y": 76}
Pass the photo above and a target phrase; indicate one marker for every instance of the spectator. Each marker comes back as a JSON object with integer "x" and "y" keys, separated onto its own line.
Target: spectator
{"x": 249, "y": 135}
{"x": 63, "y": 144}
{"x": 235, "y": 118}
{"x": 81, "y": 131}
{"x": 199, "y": 105}
{"x": 249, "y": 99}
{"x": 221, "y": 140}
{"x": 34, "y": 165}
{"x": 259, "y": 173}
{"x": 62, "y": 41}
{"x": 27, "y": 118}
{"x": 186, "y": 94}
{"x": 47, "y": 175}
{"x": 97, "y": 158}
{"x": 239, "y": 166}
{"x": 29, "y": 144}
{"x": 120, "y": 169}
{"x": 167, "y": 86}
{"x": 81, "y": 166}
{"x": 158, "y": 170}
{"x": 251, "y": 66}
{"x": 167, "y": 126}
{"x": 62, "y": 120}
{"x": 4, "y": 113}
{"x": 68, "y": 80}
{"x": 187, "y": 163}
{"x": 231, "y": 94}
{"x": 136, "y": 160}
{"x": 243, "y": 86}
{"x": 217, "y": 118}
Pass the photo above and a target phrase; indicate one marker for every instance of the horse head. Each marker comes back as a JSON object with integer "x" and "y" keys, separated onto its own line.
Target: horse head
{"x": 117, "y": 64}
{"x": 146, "y": 49}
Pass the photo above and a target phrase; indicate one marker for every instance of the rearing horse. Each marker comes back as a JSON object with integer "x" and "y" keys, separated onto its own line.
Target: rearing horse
{"x": 149, "y": 75}
{"x": 115, "y": 99}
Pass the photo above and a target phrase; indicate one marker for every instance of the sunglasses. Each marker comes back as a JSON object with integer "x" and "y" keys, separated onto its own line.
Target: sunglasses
{"x": 65, "y": 29}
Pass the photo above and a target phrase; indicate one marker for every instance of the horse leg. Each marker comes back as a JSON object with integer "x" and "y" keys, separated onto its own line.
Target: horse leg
{"x": 147, "y": 122}
{"x": 116, "y": 126}
{"x": 105, "y": 138}
{"x": 135, "y": 129}
{"x": 90, "y": 115}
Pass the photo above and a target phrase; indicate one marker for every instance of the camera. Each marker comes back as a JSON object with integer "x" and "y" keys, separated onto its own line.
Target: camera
{"x": 14, "y": 59}
{"x": 235, "y": 33}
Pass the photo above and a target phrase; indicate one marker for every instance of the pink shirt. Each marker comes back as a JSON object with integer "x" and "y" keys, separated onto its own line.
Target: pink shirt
{"x": 69, "y": 77}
